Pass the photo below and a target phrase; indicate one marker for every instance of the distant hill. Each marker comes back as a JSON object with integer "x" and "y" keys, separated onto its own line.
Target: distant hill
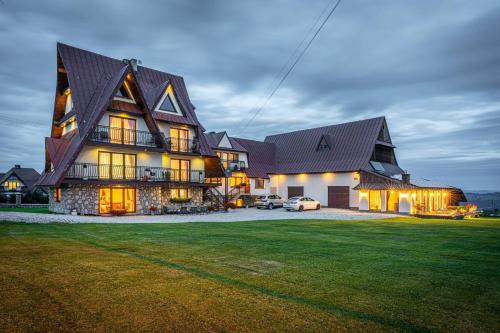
{"x": 484, "y": 200}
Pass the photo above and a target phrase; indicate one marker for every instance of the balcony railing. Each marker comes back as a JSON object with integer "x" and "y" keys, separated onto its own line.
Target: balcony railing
{"x": 123, "y": 136}
{"x": 234, "y": 165}
{"x": 93, "y": 171}
{"x": 183, "y": 145}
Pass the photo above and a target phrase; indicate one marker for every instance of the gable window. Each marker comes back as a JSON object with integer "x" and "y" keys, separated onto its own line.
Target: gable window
{"x": 168, "y": 103}
{"x": 125, "y": 93}
{"x": 57, "y": 194}
{"x": 259, "y": 183}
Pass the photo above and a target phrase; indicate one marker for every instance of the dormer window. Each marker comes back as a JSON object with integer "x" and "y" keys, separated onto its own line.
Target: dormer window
{"x": 125, "y": 93}
{"x": 168, "y": 102}
{"x": 69, "y": 101}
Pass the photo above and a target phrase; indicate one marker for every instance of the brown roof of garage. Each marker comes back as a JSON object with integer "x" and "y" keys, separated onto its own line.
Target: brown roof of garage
{"x": 350, "y": 147}
{"x": 260, "y": 157}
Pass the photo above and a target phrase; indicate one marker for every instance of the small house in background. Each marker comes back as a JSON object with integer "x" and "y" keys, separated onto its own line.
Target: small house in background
{"x": 18, "y": 180}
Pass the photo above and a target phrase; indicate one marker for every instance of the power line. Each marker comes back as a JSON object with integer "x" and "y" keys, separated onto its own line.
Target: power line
{"x": 301, "y": 54}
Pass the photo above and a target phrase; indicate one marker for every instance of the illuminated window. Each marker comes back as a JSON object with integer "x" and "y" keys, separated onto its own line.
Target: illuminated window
{"x": 181, "y": 193}
{"x": 180, "y": 170}
{"x": 259, "y": 183}
{"x": 12, "y": 184}
{"x": 122, "y": 130}
{"x": 116, "y": 199}
{"x": 57, "y": 194}
{"x": 213, "y": 180}
{"x": 234, "y": 157}
{"x": 179, "y": 139}
{"x": 375, "y": 200}
{"x": 69, "y": 101}
{"x": 116, "y": 165}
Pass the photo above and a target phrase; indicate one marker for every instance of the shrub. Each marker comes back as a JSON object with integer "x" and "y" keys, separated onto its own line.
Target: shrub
{"x": 180, "y": 200}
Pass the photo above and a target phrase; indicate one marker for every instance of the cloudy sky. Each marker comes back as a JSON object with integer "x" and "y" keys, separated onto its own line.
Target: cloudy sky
{"x": 431, "y": 67}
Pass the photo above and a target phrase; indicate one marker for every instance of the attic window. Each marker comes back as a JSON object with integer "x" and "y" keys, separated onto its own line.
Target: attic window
{"x": 323, "y": 144}
{"x": 168, "y": 102}
{"x": 167, "y": 105}
{"x": 124, "y": 93}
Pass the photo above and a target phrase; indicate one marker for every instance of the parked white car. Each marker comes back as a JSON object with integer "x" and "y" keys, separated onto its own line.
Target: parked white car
{"x": 269, "y": 201}
{"x": 302, "y": 203}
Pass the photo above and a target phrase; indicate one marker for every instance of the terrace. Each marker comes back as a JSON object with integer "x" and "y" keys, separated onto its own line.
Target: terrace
{"x": 94, "y": 171}
{"x": 123, "y": 136}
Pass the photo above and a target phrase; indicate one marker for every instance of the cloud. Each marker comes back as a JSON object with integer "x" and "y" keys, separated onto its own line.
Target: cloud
{"x": 431, "y": 67}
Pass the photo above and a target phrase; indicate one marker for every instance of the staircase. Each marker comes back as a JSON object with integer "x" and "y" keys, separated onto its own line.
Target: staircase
{"x": 215, "y": 198}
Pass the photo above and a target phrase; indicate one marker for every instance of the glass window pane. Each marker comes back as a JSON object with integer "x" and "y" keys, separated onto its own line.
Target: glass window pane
{"x": 104, "y": 161}
{"x": 130, "y": 200}
{"x": 117, "y": 199}
{"x": 104, "y": 200}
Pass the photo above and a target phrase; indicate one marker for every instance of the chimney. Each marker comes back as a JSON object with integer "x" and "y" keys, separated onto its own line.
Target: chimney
{"x": 17, "y": 166}
{"x": 133, "y": 63}
{"x": 405, "y": 177}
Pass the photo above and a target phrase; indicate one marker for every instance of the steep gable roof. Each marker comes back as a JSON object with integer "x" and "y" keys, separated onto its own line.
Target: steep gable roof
{"x": 28, "y": 176}
{"x": 351, "y": 147}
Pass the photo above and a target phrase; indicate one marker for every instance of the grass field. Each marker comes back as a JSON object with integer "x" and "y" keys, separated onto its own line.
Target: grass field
{"x": 25, "y": 210}
{"x": 403, "y": 275}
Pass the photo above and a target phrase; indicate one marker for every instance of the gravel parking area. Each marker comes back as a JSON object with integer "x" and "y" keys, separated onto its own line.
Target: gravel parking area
{"x": 244, "y": 214}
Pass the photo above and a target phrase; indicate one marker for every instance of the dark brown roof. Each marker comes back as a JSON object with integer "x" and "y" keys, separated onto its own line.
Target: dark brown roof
{"x": 260, "y": 157}
{"x": 94, "y": 80}
{"x": 214, "y": 138}
{"x": 350, "y": 147}
{"x": 28, "y": 176}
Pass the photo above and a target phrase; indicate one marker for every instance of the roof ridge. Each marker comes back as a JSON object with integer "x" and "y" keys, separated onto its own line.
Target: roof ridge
{"x": 320, "y": 127}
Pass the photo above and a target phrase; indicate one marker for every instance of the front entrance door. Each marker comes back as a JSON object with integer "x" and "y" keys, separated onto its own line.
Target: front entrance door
{"x": 338, "y": 197}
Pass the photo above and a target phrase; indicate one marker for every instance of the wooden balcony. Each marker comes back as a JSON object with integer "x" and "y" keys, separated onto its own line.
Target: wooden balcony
{"x": 107, "y": 172}
{"x": 122, "y": 136}
{"x": 177, "y": 145}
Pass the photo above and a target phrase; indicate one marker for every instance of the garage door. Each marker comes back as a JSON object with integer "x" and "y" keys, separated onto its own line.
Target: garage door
{"x": 295, "y": 191}
{"x": 338, "y": 196}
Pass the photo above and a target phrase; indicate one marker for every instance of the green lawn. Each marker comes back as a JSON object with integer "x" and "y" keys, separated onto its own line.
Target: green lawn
{"x": 403, "y": 274}
{"x": 25, "y": 210}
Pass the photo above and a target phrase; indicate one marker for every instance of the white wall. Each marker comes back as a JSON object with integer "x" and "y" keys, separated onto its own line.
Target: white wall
{"x": 316, "y": 185}
{"x": 224, "y": 142}
{"x": 89, "y": 154}
{"x": 255, "y": 191}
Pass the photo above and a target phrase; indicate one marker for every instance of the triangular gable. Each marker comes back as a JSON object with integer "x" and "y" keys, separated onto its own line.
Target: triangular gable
{"x": 169, "y": 102}
{"x": 124, "y": 93}
{"x": 324, "y": 143}
{"x": 224, "y": 142}
{"x": 384, "y": 135}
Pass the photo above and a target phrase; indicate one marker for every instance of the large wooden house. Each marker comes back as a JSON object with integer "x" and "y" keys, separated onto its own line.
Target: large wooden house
{"x": 124, "y": 138}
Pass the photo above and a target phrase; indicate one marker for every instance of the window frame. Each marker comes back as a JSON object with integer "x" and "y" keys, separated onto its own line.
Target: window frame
{"x": 111, "y": 197}
{"x": 257, "y": 182}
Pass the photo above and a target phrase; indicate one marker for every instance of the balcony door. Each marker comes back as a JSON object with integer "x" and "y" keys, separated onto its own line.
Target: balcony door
{"x": 116, "y": 165}
{"x": 179, "y": 139}
{"x": 180, "y": 170}
{"x": 122, "y": 130}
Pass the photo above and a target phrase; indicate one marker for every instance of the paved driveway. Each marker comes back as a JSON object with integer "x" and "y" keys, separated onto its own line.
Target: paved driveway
{"x": 243, "y": 214}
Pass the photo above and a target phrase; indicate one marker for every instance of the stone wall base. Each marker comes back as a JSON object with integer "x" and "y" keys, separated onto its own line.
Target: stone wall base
{"x": 84, "y": 198}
